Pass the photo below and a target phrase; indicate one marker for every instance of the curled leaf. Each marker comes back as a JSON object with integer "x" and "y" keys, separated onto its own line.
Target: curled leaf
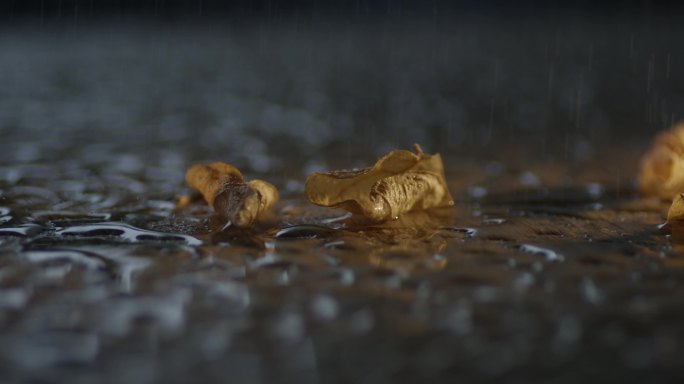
{"x": 399, "y": 182}
{"x": 223, "y": 187}
{"x": 675, "y": 220}
{"x": 676, "y": 212}
{"x": 662, "y": 167}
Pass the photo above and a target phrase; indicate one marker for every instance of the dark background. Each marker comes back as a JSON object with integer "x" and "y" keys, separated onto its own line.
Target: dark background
{"x": 184, "y": 9}
{"x": 212, "y": 77}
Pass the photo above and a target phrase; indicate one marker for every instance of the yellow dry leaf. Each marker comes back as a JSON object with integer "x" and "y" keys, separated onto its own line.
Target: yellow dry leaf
{"x": 676, "y": 212}
{"x": 399, "y": 182}
{"x": 675, "y": 220}
{"x": 224, "y": 188}
{"x": 662, "y": 167}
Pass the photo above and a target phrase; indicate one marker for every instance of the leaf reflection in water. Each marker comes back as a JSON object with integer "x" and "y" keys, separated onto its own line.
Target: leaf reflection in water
{"x": 411, "y": 243}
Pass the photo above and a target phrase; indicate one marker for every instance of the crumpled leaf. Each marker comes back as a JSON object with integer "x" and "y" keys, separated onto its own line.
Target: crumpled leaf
{"x": 676, "y": 212}
{"x": 675, "y": 220}
{"x": 399, "y": 182}
{"x": 662, "y": 166}
{"x": 224, "y": 188}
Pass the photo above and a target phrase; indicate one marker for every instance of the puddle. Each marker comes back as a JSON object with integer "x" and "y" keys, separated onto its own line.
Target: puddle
{"x": 67, "y": 216}
{"x": 90, "y": 261}
{"x": 124, "y": 232}
{"x": 25, "y": 230}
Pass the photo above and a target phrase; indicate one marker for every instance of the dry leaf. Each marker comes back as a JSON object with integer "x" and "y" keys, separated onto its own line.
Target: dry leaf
{"x": 224, "y": 188}
{"x": 676, "y": 212}
{"x": 662, "y": 167}
{"x": 399, "y": 182}
{"x": 675, "y": 220}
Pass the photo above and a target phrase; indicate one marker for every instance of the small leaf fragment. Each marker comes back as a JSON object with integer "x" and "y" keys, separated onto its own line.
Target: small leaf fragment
{"x": 661, "y": 171}
{"x": 224, "y": 188}
{"x": 399, "y": 182}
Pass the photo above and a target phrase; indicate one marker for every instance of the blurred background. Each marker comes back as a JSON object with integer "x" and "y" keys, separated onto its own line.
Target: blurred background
{"x": 253, "y": 81}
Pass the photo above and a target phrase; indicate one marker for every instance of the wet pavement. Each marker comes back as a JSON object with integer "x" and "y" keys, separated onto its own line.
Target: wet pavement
{"x": 529, "y": 278}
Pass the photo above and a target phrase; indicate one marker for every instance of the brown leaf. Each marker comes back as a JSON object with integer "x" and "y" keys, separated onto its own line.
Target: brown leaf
{"x": 676, "y": 212}
{"x": 675, "y": 220}
{"x": 662, "y": 166}
{"x": 223, "y": 187}
{"x": 399, "y": 182}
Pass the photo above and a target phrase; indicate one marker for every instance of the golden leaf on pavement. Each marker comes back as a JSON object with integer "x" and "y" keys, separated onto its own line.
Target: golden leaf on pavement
{"x": 662, "y": 166}
{"x": 676, "y": 212}
{"x": 224, "y": 188}
{"x": 399, "y": 182}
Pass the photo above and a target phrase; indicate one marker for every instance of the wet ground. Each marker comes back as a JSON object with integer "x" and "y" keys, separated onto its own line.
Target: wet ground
{"x": 541, "y": 273}
{"x": 548, "y": 269}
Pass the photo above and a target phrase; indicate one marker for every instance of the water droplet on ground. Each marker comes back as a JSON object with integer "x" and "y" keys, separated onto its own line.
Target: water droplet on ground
{"x": 469, "y": 232}
{"x": 304, "y": 232}
{"x": 548, "y": 254}
{"x": 324, "y": 307}
{"x": 477, "y": 192}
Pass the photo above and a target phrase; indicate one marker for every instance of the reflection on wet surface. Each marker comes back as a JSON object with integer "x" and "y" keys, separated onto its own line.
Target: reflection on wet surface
{"x": 101, "y": 279}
